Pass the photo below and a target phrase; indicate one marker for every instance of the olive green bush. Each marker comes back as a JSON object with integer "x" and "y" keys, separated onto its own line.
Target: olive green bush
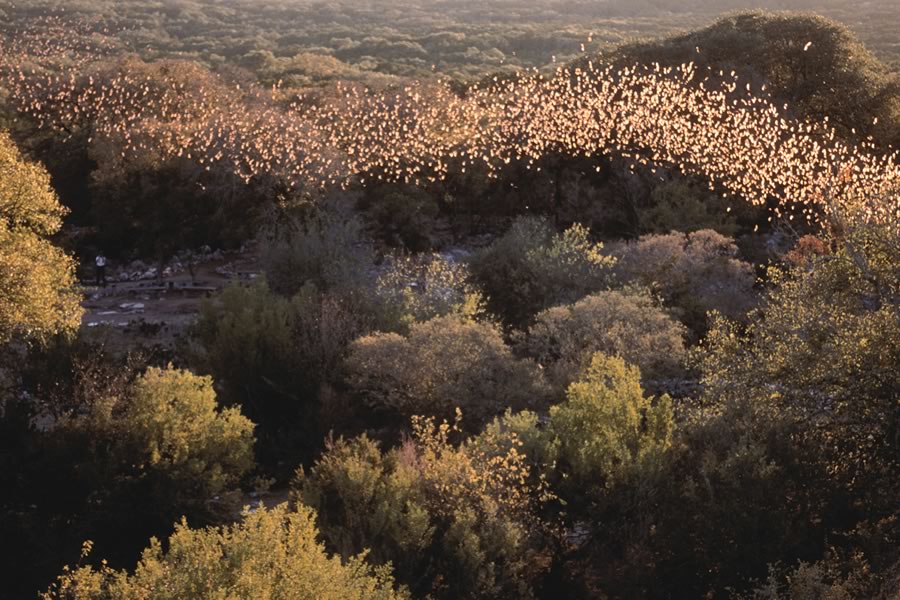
{"x": 274, "y": 356}
{"x": 268, "y": 554}
{"x": 828, "y": 365}
{"x": 173, "y": 427}
{"x": 166, "y": 434}
{"x": 628, "y": 324}
{"x": 441, "y": 365}
{"x": 607, "y": 427}
{"x": 531, "y": 268}
{"x": 456, "y": 522}
{"x": 326, "y": 248}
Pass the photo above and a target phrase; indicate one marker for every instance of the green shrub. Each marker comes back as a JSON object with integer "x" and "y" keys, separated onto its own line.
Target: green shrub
{"x": 268, "y": 554}
{"x": 443, "y": 364}
{"x": 326, "y": 248}
{"x": 626, "y": 324}
{"x": 605, "y": 435}
{"x": 532, "y": 268}
{"x": 455, "y": 521}
{"x": 166, "y": 434}
{"x": 368, "y": 499}
{"x": 823, "y": 580}
{"x": 273, "y": 355}
{"x": 173, "y": 428}
{"x": 607, "y": 429}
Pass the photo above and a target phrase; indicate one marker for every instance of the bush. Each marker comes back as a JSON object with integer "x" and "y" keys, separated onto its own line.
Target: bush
{"x": 443, "y": 364}
{"x": 165, "y": 436}
{"x": 456, "y": 522}
{"x": 273, "y": 355}
{"x": 172, "y": 427}
{"x": 417, "y": 289}
{"x": 625, "y": 324}
{"x": 606, "y": 429}
{"x": 532, "y": 268}
{"x": 325, "y": 248}
{"x": 269, "y": 554}
{"x": 368, "y": 499}
{"x": 605, "y": 434}
{"x": 693, "y": 273}
{"x": 809, "y": 581}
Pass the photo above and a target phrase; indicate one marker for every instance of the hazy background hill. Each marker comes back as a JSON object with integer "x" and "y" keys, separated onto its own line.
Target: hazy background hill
{"x": 286, "y": 39}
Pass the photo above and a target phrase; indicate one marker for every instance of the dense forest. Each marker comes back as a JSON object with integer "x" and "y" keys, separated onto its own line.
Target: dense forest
{"x": 499, "y": 299}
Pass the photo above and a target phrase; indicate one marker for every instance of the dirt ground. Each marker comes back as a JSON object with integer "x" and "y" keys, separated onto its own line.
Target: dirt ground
{"x": 157, "y": 313}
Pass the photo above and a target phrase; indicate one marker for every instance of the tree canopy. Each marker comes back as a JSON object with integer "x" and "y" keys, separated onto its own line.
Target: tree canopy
{"x": 38, "y": 298}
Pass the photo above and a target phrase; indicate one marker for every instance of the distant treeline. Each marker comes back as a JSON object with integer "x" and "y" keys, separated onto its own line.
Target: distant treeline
{"x": 303, "y": 43}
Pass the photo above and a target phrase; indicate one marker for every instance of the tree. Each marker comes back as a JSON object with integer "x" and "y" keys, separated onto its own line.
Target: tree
{"x": 268, "y": 554}
{"x": 118, "y": 460}
{"x": 828, "y": 365}
{"x": 532, "y": 268}
{"x": 38, "y": 298}
{"x": 274, "y": 356}
{"x": 172, "y": 427}
{"x": 607, "y": 429}
{"x": 456, "y": 521}
{"x": 627, "y": 324}
{"x": 326, "y": 248}
{"x": 693, "y": 273}
{"x": 160, "y": 444}
{"x": 443, "y": 364}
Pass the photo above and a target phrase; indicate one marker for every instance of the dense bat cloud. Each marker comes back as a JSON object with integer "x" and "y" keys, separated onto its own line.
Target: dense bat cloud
{"x": 709, "y": 124}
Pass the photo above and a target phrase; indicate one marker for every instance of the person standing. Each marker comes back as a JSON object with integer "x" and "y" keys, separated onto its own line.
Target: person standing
{"x": 100, "y": 261}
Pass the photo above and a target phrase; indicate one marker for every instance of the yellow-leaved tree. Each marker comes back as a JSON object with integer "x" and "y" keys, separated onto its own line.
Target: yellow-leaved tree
{"x": 269, "y": 554}
{"x": 37, "y": 280}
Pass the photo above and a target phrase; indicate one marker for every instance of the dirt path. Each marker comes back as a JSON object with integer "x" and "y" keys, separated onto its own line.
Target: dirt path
{"x": 152, "y": 312}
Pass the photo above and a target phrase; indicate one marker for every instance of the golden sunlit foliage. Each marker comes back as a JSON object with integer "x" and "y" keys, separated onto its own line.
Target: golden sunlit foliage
{"x": 268, "y": 554}
{"x": 455, "y": 521}
{"x": 37, "y": 298}
{"x": 178, "y": 431}
{"x": 607, "y": 429}
{"x": 573, "y": 474}
{"x": 166, "y": 430}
